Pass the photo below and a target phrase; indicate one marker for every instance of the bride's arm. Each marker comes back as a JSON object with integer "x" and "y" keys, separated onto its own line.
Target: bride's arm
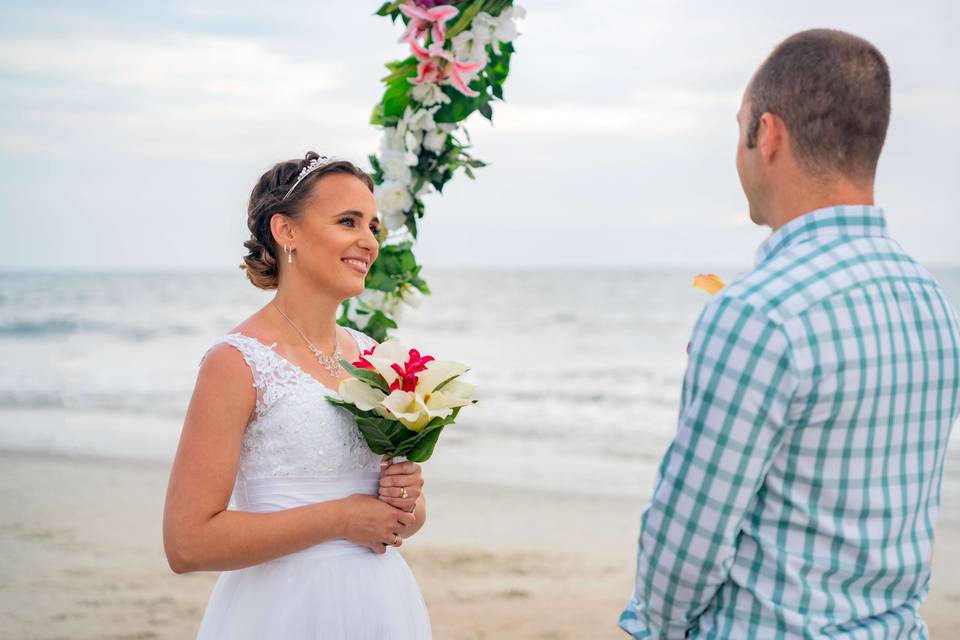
{"x": 199, "y": 533}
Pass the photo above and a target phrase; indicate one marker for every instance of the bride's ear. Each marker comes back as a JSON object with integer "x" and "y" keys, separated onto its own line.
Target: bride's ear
{"x": 282, "y": 229}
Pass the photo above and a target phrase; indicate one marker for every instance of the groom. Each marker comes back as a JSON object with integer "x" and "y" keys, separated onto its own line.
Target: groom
{"x": 799, "y": 496}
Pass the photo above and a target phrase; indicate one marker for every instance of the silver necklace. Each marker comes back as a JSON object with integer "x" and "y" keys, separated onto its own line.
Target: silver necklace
{"x": 329, "y": 363}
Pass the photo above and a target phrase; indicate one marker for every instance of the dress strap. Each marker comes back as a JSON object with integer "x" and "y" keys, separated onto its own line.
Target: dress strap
{"x": 272, "y": 375}
{"x": 363, "y": 340}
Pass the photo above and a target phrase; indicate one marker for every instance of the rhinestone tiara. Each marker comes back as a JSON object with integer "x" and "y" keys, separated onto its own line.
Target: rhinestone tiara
{"x": 312, "y": 166}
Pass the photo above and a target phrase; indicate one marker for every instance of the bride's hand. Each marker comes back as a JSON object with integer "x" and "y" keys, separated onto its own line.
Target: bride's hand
{"x": 401, "y": 484}
{"x": 373, "y": 523}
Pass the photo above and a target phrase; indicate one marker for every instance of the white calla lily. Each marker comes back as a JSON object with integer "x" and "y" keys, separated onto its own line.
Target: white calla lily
{"x": 454, "y": 394}
{"x": 360, "y": 394}
{"x": 437, "y": 372}
{"x": 409, "y": 408}
{"x": 386, "y": 354}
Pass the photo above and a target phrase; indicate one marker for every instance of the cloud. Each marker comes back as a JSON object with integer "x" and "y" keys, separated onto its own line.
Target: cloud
{"x": 217, "y": 66}
{"x": 204, "y": 95}
{"x": 652, "y": 112}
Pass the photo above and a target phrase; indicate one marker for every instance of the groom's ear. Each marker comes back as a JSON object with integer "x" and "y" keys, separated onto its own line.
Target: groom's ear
{"x": 772, "y": 137}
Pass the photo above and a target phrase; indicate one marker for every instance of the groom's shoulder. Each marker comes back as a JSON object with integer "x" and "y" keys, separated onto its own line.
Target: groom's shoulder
{"x": 778, "y": 290}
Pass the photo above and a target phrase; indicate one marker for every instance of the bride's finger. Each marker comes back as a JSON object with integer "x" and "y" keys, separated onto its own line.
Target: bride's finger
{"x": 401, "y": 468}
{"x": 401, "y": 481}
{"x": 399, "y": 503}
{"x": 399, "y": 492}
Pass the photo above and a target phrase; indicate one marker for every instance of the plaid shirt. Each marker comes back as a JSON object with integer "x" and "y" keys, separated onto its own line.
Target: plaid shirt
{"x": 799, "y": 496}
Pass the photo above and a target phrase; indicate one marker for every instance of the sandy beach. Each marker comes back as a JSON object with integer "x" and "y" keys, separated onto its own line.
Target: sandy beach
{"x": 82, "y": 558}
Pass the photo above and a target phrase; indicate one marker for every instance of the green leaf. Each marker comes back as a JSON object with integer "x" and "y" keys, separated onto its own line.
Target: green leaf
{"x": 376, "y": 116}
{"x": 344, "y": 319}
{"x": 412, "y": 226}
{"x": 423, "y": 449}
{"x": 378, "y": 324}
{"x": 419, "y": 184}
{"x": 420, "y": 284}
{"x": 466, "y": 17}
{"x": 376, "y": 434}
{"x": 368, "y": 376}
{"x": 498, "y": 68}
{"x": 349, "y": 407}
{"x": 486, "y": 110}
{"x": 400, "y": 69}
{"x": 497, "y": 90}
{"x": 395, "y": 99}
{"x": 446, "y": 382}
{"x": 496, "y": 7}
{"x": 459, "y": 108}
{"x": 422, "y": 446}
{"x": 381, "y": 281}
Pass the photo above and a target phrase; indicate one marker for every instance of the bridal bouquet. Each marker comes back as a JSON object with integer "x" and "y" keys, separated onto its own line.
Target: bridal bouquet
{"x": 402, "y": 400}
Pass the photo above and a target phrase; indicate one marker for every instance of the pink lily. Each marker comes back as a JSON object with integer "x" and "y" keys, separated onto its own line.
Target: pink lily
{"x": 421, "y": 20}
{"x": 438, "y": 65}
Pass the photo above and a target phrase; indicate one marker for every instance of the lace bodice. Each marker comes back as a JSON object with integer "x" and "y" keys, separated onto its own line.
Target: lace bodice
{"x": 295, "y": 431}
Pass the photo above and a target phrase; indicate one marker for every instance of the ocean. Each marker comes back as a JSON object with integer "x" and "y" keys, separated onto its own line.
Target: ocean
{"x": 579, "y": 372}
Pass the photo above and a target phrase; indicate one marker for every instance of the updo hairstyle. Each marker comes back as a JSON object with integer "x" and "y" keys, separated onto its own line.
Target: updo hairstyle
{"x": 267, "y": 199}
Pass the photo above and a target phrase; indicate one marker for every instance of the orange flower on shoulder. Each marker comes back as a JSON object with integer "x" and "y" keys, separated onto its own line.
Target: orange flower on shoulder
{"x": 709, "y": 282}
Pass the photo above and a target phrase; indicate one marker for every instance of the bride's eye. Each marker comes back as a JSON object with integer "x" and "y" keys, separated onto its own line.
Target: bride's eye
{"x": 349, "y": 221}
{"x": 375, "y": 229}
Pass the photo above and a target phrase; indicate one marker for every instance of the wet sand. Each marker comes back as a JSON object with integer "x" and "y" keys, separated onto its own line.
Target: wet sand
{"x": 82, "y": 558}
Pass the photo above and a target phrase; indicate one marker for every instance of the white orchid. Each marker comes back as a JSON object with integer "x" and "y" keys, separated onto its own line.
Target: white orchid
{"x": 429, "y": 94}
{"x": 393, "y": 197}
{"x": 435, "y": 140}
{"x": 471, "y": 46}
{"x": 506, "y": 25}
{"x": 418, "y": 119}
{"x": 391, "y": 140}
{"x": 394, "y": 220}
{"x": 483, "y": 27}
{"x": 395, "y": 167}
{"x": 411, "y": 296}
{"x": 411, "y": 141}
{"x": 496, "y": 29}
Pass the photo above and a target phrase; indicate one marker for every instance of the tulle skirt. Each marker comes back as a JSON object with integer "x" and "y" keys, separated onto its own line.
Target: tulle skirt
{"x": 335, "y": 590}
{"x": 358, "y": 595}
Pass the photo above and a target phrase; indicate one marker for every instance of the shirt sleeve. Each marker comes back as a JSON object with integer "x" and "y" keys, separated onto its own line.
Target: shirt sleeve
{"x": 736, "y": 395}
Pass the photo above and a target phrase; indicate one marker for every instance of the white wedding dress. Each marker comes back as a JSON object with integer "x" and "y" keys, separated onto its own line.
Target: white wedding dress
{"x": 299, "y": 449}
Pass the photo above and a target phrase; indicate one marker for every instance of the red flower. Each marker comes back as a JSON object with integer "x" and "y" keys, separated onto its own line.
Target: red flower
{"x": 407, "y": 374}
{"x": 362, "y": 362}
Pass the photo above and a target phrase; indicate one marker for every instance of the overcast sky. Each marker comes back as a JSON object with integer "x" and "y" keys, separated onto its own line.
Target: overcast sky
{"x": 132, "y": 132}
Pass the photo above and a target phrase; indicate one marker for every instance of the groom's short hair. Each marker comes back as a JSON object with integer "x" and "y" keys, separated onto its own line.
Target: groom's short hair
{"x": 832, "y": 91}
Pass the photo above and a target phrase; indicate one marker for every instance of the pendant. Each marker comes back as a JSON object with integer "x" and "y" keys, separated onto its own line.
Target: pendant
{"x": 330, "y": 363}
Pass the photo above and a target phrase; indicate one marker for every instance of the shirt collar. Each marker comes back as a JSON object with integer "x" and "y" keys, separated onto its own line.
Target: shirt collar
{"x": 844, "y": 220}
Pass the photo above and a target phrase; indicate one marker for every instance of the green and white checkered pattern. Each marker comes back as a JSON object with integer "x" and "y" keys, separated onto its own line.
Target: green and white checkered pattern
{"x": 799, "y": 497}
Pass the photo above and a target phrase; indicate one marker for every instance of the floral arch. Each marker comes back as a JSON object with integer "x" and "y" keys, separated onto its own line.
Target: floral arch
{"x": 460, "y": 53}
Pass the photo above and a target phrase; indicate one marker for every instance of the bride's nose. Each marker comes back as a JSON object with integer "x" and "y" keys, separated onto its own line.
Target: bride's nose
{"x": 368, "y": 242}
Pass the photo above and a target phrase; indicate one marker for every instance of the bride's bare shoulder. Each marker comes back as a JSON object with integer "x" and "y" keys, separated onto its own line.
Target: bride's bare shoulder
{"x": 227, "y": 359}
{"x": 257, "y": 327}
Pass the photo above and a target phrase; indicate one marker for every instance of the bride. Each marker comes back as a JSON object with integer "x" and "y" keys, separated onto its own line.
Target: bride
{"x": 272, "y": 484}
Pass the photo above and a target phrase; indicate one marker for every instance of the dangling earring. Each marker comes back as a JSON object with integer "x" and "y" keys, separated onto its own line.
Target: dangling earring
{"x": 289, "y": 252}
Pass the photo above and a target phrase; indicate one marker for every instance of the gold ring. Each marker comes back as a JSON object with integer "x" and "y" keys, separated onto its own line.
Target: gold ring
{"x": 403, "y": 493}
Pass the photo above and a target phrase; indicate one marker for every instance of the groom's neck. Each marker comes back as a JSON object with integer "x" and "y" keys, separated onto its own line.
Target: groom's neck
{"x": 803, "y": 195}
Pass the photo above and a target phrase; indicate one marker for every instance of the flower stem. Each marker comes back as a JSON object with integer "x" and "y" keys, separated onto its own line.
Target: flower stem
{"x": 400, "y": 72}
{"x": 465, "y": 18}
